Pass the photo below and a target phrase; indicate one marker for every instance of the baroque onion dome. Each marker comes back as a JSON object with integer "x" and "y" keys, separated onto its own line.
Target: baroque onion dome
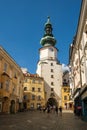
{"x": 48, "y": 38}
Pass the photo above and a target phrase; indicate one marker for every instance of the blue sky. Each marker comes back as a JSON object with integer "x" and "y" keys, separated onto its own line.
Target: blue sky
{"x": 22, "y": 27}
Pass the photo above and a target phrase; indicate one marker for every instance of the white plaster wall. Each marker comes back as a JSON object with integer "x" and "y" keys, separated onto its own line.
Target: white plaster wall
{"x": 44, "y": 70}
{"x": 47, "y": 53}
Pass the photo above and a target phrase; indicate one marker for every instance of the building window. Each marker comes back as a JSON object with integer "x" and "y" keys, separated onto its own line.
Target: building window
{"x": 33, "y": 81}
{"x": 52, "y": 94}
{"x": 65, "y": 97}
{"x": 7, "y": 85}
{"x": 68, "y": 90}
{"x": 1, "y": 85}
{"x": 39, "y": 98}
{"x": 52, "y": 83}
{"x": 39, "y": 81}
{"x": 33, "y": 89}
{"x": 25, "y": 97}
{"x": 33, "y": 97}
{"x": 25, "y": 80}
{"x": 51, "y": 64}
{"x": 5, "y": 67}
{"x": 52, "y": 76}
{"x": 52, "y": 89}
{"x": 10, "y": 73}
{"x": 25, "y": 88}
{"x": 15, "y": 76}
{"x": 65, "y": 89}
{"x": 86, "y": 33}
{"x": 14, "y": 89}
{"x": 39, "y": 89}
{"x": 51, "y": 70}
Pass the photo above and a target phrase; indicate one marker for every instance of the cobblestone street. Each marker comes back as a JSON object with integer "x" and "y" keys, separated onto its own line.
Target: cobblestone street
{"x": 36, "y": 120}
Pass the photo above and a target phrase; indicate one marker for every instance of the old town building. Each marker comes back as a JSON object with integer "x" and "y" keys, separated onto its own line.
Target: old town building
{"x": 67, "y": 102}
{"x": 78, "y": 63}
{"x": 34, "y": 92}
{"x": 49, "y": 66}
{"x": 11, "y": 84}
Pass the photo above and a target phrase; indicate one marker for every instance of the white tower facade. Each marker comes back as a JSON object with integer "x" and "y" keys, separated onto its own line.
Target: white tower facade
{"x": 49, "y": 67}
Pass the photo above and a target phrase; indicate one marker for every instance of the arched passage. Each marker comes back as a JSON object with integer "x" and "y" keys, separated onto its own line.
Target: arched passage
{"x": 52, "y": 102}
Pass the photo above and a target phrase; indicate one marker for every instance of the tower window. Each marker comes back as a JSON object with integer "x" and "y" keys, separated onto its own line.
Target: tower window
{"x": 52, "y": 76}
{"x": 51, "y": 70}
{"x": 51, "y": 64}
{"x": 52, "y": 83}
{"x": 52, "y": 89}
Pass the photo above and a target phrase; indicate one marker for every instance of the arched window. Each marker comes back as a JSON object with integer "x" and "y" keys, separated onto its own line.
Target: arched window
{"x": 25, "y": 88}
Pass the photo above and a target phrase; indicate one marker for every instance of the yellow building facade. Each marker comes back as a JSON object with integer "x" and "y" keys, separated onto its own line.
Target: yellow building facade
{"x": 65, "y": 97}
{"x": 11, "y": 84}
{"x": 67, "y": 102}
{"x": 34, "y": 93}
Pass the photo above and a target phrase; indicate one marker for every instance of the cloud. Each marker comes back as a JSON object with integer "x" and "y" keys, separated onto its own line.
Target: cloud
{"x": 65, "y": 68}
{"x": 24, "y": 70}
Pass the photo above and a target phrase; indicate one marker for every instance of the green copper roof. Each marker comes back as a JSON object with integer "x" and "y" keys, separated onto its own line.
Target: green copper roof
{"x": 48, "y": 38}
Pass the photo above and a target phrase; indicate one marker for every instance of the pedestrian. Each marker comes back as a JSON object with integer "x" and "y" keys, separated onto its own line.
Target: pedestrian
{"x": 48, "y": 109}
{"x": 56, "y": 109}
{"x": 79, "y": 111}
{"x": 60, "y": 109}
{"x": 44, "y": 109}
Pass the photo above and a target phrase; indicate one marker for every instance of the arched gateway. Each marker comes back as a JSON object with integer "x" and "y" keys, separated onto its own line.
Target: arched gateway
{"x": 52, "y": 102}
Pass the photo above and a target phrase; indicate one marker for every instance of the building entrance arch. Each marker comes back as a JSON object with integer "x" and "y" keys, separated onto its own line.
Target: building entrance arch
{"x": 52, "y": 102}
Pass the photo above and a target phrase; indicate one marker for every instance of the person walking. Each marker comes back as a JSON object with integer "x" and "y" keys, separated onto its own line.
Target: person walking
{"x": 56, "y": 109}
{"x": 48, "y": 109}
{"x": 60, "y": 109}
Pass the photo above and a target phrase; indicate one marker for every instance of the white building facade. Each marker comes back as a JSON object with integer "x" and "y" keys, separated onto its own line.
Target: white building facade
{"x": 78, "y": 62}
{"x": 49, "y": 67}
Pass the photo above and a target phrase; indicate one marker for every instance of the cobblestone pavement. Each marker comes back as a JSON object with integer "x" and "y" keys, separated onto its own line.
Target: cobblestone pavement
{"x": 36, "y": 120}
